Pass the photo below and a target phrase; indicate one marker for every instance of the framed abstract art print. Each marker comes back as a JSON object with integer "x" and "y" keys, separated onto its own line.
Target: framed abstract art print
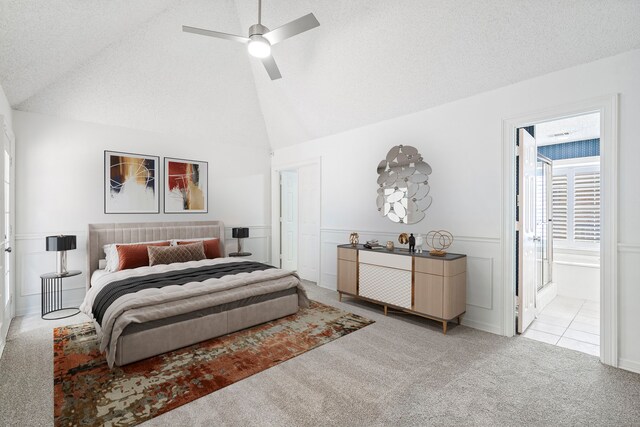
{"x": 185, "y": 186}
{"x": 131, "y": 183}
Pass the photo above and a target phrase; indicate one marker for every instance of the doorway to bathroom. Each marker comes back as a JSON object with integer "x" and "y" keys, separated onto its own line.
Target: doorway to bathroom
{"x": 558, "y": 218}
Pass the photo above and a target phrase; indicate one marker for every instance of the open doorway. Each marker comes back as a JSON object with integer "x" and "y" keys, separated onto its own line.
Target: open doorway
{"x": 296, "y": 207}
{"x": 558, "y": 233}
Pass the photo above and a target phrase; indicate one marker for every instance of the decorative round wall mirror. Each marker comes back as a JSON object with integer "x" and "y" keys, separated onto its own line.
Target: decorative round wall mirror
{"x": 403, "y": 185}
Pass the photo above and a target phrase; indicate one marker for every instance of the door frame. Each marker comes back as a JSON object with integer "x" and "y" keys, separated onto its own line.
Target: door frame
{"x": 275, "y": 208}
{"x": 607, "y": 106}
{"x": 6, "y": 133}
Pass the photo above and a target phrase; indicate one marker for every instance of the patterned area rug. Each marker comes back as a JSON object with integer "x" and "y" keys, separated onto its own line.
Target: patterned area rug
{"x": 88, "y": 393}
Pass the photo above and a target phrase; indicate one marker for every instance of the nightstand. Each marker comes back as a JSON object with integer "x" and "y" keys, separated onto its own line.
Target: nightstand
{"x": 51, "y": 297}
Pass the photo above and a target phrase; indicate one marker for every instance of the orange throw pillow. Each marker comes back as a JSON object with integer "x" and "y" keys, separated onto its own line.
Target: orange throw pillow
{"x": 211, "y": 247}
{"x": 134, "y": 256}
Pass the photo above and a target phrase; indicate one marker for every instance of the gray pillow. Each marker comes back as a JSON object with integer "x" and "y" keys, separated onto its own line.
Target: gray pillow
{"x": 170, "y": 254}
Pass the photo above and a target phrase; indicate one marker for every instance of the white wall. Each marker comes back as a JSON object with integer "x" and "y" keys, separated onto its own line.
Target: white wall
{"x": 462, "y": 142}
{"x": 5, "y": 109}
{"x": 59, "y": 175}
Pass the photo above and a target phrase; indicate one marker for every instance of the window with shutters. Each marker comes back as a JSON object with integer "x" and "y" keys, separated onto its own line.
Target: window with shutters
{"x": 586, "y": 207}
{"x": 576, "y": 203}
{"x": 560, "y": 202}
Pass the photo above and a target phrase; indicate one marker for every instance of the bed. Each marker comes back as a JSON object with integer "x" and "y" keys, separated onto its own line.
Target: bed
{"x": 147, "y": 311}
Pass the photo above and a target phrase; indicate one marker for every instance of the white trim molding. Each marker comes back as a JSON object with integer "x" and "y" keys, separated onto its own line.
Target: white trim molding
{"x": 475, "y": 239}
{"x": 629, "y": 365}
{"x": 607, "y": 106}
{"x": 629, "y": 248}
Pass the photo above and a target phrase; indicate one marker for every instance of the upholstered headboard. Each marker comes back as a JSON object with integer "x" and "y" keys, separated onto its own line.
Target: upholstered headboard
{"x": 103, "y": 234}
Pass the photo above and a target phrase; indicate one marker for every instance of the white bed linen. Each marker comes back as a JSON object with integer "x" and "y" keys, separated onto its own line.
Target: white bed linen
{"x": 157, "y": 303}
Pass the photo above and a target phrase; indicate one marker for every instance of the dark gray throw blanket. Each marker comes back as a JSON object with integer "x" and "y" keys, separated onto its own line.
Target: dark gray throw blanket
{"x": 115, "y": 290}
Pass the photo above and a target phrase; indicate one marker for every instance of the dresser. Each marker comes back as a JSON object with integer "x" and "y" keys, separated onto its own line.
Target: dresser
{"x": 421, "y": 284}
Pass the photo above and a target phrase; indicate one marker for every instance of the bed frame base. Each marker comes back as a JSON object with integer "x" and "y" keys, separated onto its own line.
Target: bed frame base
{"x": 151, "y": 342}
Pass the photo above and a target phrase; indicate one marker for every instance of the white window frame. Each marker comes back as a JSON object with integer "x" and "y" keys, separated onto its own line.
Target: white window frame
{"x": 571, "y": 167}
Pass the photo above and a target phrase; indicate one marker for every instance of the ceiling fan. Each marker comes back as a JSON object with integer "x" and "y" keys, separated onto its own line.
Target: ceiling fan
{"x": 261, "y": 38}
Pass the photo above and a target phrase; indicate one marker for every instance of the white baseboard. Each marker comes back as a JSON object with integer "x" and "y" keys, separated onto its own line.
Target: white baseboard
{"x": 483, "y": 326}
{"x": 32, "y": 309}
{"x": 629, "y": 365}
{"x": 2, "y": 344}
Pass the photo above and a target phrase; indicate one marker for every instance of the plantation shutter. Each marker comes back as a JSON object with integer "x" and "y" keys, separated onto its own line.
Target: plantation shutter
{"x": 586, "y": 211}
{"x": 560, "y": 207}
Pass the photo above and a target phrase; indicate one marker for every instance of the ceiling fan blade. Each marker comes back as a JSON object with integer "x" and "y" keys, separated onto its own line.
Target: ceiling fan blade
{"x": 272, "y": 69}
{"x": 294, "y": 27}
{"x": 216, "y": 34}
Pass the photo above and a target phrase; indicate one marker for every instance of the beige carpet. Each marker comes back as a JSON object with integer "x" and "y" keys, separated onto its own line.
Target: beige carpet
{"x": 399, "y": 371}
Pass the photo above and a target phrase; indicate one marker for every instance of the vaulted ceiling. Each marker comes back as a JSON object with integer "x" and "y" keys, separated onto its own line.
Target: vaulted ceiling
{"x": 128, "y": 64}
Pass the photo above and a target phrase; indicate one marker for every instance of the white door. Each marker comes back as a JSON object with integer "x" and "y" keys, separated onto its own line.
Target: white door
{"x": 309, "y": 222}
{"x": 527, "y": 226}
{"x": 289, "y": 218}
{"x": 6, "y": 228}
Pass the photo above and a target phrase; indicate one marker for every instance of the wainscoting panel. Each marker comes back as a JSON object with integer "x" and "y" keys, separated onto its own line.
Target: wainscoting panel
{"x": 483, "y": 272}
{"x": 479, "y": 282}
{"x": 32, "y": 260}
{"x": 629, "y": 307}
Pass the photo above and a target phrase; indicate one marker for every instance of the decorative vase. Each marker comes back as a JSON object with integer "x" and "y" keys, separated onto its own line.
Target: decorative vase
{"x": 390, "y": 245}
{"x": 419, "y": 243}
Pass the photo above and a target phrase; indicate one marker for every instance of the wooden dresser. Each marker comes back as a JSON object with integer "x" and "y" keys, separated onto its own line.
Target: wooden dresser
{"x": 420, "y": 284}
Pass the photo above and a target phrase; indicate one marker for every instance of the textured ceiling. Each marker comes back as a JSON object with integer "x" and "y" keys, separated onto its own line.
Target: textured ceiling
{"x": 42, "y": 40}
{"x": 372, "y": 60}
{"x": 152, "y": 77}
{"x": 127, "y": 63}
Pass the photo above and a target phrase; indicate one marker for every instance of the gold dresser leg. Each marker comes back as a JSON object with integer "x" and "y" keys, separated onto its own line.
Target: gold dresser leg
{"x": 385, "y": 310}
{"x": 340, "y": 296}
{"x": 444, "y": 327}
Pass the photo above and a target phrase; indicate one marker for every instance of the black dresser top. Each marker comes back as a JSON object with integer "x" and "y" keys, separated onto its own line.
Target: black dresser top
{"x": 405, "y": 251}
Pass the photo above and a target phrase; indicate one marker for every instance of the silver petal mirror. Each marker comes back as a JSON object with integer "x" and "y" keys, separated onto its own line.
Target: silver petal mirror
{"x": 403, "y": 188}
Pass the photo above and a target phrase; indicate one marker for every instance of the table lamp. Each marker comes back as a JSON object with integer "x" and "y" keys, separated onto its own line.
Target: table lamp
{"x": 240, "y": 233}
{"x": 61, "y": 244}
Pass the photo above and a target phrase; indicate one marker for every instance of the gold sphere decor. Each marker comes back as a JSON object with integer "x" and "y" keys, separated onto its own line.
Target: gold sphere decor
{"x": 438, "y": 241}
{"x": 354, "y": 239}
{"x": 403, "y": 238}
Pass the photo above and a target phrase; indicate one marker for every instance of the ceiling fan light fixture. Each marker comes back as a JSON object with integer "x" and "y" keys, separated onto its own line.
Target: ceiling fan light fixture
{"x": 258, "y": 46}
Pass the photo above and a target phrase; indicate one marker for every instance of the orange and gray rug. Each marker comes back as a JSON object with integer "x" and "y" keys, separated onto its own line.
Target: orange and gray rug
{"x": 88, "y": 393}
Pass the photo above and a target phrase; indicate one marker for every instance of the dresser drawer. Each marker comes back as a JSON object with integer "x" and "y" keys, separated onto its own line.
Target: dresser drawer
{"x": 455, "y": 267}
{"x": 382, "y": 259}
{"x": 347, "y": 254}
{"x": 430, "y": 266}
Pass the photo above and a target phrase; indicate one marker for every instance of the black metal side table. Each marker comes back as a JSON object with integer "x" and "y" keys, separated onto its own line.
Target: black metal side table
{"x": 51, "y": 300}
{"x": 237, "y": 254}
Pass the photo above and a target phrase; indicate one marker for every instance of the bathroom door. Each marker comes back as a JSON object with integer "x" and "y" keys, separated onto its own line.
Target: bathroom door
{"x": 527, "y": 237}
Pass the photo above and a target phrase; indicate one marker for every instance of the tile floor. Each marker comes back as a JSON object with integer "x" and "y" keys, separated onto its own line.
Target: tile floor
{"x": 568, "y": 322}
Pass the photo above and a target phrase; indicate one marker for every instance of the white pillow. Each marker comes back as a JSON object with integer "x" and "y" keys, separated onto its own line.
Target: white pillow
{"x": 111, "y": 254}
